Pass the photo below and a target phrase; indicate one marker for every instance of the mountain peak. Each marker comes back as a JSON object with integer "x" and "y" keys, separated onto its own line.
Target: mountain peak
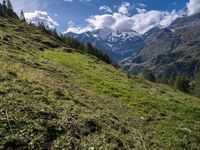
{"x": 105, "y": 33}
{"x": 115, "y": 43}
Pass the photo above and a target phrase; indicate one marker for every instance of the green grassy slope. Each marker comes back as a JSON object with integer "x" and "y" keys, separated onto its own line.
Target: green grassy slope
{"x": 53, "y": 99}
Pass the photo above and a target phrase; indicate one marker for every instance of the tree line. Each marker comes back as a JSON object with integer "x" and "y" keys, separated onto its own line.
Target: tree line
{"x": 180, "y": 82}
{"x": 87, "y": 48}
{"x": 6, "y": 10}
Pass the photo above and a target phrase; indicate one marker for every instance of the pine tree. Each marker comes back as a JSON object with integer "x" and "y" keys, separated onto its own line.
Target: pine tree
{"x": 197, "y": 86}
{"x": 9, "y": 6}
{"x": 22, "y": 18}
{"x": 42, "y": 26}
{"x": 89, "y": 48}
{"x": 4, "y": 3}
{"x": 4, "y": 7}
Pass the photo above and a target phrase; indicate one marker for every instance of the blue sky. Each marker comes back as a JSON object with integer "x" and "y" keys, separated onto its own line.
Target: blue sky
{"x": 75, "y": 14}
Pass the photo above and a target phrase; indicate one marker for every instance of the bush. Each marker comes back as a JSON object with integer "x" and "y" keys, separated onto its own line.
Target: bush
{"x": 197, "y": 86}
{"x": 182, "y": 83}
{"x": 148, "y": 75}
{"x": 162, "y": 79}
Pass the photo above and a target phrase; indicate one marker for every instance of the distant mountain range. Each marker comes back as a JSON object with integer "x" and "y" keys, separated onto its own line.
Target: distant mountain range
{"x": 117, "y": 45}
{"x": 175, "y": 49}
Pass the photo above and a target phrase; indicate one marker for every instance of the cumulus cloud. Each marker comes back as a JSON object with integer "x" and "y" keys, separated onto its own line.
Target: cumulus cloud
{"x": 40, "y": 16}
{"x": 193, "y": 7}
{"x": 141, "y": 22}
{"x": 124, "y": 8}
{"x": 106, "y": 9}
{"x": 101, "y": 21}
{"x": 145, "y": 20}
{"x": 141, "y": 5}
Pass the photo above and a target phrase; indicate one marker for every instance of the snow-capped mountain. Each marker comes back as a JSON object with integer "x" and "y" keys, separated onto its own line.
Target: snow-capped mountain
{"x": 118, "y": 45}
{"x": 161, "y": 50}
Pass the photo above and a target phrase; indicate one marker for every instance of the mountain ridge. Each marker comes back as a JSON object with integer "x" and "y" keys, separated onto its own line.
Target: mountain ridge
{"x": 174, "y": 48}
{"x": 159, "y": 49}
{"x": 156, "y": 48}
{"x": 117, "y": 45}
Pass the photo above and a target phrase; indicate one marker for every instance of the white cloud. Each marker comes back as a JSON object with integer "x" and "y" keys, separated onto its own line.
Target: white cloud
{"x": 193, "y": 7}
{"x": 141, "y": 22}
{"x": 79, "y": 0}
{"x": 124, "y": 8}
{"x": 40, "y": 16}
{"x": 84, "y": 0}
{"x": 68, "y": 1}
{"x": 141, "y": 5}
{"x": 101, "y": 21}
{"x": 106, "y": 9}
{"x": 77, "y": 29}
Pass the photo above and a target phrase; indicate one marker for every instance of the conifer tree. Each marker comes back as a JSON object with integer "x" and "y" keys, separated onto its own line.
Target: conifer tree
{"x": 4, "y": 7}
{"x": 9, "y": 6}
{"x": 42, "y": 26}
{"x": 89, "y": 48}
{"x": 22, "y": 18}
{"x": 4, "y": 3}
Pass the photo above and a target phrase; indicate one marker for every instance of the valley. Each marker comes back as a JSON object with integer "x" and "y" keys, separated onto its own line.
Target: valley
{"x": 160, "y": 50}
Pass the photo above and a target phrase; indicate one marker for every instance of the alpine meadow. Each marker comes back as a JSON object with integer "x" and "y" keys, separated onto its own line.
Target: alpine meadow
{"x": 121, "y": 86}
